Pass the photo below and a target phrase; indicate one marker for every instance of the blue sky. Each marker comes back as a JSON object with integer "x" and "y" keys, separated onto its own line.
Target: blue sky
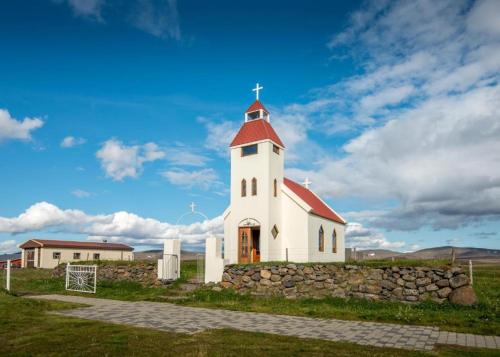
{"x": 117, "y": 114}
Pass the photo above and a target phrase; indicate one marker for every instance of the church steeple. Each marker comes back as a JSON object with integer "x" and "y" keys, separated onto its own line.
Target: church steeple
{"x": 257, "y": 109}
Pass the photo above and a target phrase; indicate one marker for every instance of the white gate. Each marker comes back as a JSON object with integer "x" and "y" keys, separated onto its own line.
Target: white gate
{"x": 168, "y": 267}
{"x": 81, "y": 278}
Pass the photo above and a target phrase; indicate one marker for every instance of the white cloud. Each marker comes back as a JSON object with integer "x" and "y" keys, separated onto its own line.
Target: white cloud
{"x": 86, "y": 8}
{"x": 183, "y": 155}
{"x": 219, "y": 135}
{"x": 360, "y": 237}
{"x": 81, "y": 193}
{"x": 12, "y": 129}
{"x": 204, "y": 179}
{"x": 118, "y": 226}
{"x": 8, "y": 246}
{"x": 158, "y": 18}
{"x": 426, "y": 107}
{"x": 120, "y": 161}
{"x": 70, "y": 141}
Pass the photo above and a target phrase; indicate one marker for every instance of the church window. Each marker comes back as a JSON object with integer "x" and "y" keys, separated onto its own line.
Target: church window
{"x": 254, "y": 187}
{"x": 249, "y": 150}
{"x": 276, "y": 149}
{"x": 244, "y": 244}
{"x": 243, "y": 188}
{"x": 275, "y": 231}
{"x": 334, "y": 241}
{"x": 275, "y": 188}
{"x": 254, "y": 115}
{"x": 321, "y": 239}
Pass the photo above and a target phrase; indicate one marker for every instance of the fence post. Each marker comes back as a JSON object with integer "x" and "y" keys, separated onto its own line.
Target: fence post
{"x": 287, "y": 254}
{"x": 470, "y": 272}
{"x": 7, "y": 286}
{"x": 67, "y": 275}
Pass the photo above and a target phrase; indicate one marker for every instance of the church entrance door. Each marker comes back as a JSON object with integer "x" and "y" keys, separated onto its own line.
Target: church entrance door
{"x": 244, "y": 244}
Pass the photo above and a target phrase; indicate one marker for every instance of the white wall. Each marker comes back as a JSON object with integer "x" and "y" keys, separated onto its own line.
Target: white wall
{"x": 294, "y": 233}
{"x": 47, "y": 261}
{"x": 327, "y": 255}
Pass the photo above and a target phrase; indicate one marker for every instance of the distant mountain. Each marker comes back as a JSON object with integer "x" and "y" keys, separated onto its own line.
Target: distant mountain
{"x": 461, "y": 253}
{"x": 157, "y": 253}
{"x": 10, "y": 256}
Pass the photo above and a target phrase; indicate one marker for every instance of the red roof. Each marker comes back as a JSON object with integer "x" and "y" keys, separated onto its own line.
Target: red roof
{"x": 319, "y": 208}
{"x": 256, "y": 130}
{"x": 256, "y": 106}
{"x": 35, "y": 243}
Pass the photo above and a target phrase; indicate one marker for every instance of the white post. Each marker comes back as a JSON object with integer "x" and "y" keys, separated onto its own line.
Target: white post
{"x": 8, "y": 276}
{"x": 214, "y": 264}
{"x": 470, "y": 272}
{"x": 67, "y": 275}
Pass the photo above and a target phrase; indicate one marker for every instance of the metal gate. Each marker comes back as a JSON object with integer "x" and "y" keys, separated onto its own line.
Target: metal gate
{"x": 200, "y": 268}
{"x": 81, "y": 278}
{"x": 169, "y": 267}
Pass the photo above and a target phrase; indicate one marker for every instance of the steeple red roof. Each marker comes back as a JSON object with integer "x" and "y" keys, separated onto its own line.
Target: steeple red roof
{"x": 256, "y": 106}
{"x": 319, "y": 208}
{"x": 256, "y": 130}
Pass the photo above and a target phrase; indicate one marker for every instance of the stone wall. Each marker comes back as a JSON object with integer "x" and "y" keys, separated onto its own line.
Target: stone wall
{"x": 144, "y": 273}
{"x": 408, "y": 284}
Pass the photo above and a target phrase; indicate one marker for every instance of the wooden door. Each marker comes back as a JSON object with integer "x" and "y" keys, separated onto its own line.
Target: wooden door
{"x": 244, "y": 245}
{"x": 30, "y": 258}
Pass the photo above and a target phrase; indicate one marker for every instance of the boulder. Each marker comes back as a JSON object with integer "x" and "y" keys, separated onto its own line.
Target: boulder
{"x": 265, "y": 282}
{"x": 443, "y": 283}
{"x": 275, "y": 277}
{"x": 464, "y": 295}
{"x": 265, "y": 274}
{"x": 423, "y": 281}
{"x": 226, "y": 277}
{"x": 386, "y": 284}
{"x": 459, "y": 280}
{"x": 432, "y": 287}
{"x": 444, "y": 292}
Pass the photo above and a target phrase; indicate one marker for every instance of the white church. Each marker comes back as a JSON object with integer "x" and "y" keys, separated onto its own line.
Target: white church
{"x": 270, "y": 217}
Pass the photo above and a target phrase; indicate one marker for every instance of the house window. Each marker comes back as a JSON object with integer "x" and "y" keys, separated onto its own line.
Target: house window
{"x": 76, "y": 256}
{"x": 275, "y": 188}
{"x": 56, "y": 255}
{"x": 321, "y": 239}
{"x": 254, "y": 187}
{"x": 97, "y": 256}
{"x": 249, "y": 150}
{"x": 274, "y": 231}
{"x": 244, "y": 244}
{"x": 254, "y": 115}
{"x": 276, "y": 149}
{"x": 243, "y": 188}
{"x": 334, "y": 241}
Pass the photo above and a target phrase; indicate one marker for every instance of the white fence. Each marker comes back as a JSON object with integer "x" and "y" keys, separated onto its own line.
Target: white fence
{"x": 5, "y": 273}
{"x": 81, "y": 278}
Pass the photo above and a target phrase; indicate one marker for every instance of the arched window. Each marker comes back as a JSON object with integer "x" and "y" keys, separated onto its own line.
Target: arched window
{"x": 243, "y": 188}
{"x": 275, "y": 188}
{"x": 321, "y": 239}
{"x": 334, "y": 241}
{"x": 254, "y": 187}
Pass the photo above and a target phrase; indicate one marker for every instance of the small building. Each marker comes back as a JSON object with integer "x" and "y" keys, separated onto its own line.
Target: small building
{"x": 44, "y": 253}
{"x": 14, "y": 263}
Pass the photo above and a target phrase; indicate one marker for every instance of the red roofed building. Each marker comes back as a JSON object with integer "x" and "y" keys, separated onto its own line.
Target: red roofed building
{"x": 46, "y": 253}
{"x": 271, "y": 217}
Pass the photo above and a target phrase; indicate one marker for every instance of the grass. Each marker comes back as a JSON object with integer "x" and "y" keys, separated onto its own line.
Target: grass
{"x": 483, "y": 318}
{"x": 28, "y": 329}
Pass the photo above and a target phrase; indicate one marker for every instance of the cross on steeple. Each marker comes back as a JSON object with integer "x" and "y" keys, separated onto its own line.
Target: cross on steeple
{"x": 306, "y": 182}
{"x": 256, "y": 90}
{"x": 192, "y": 205}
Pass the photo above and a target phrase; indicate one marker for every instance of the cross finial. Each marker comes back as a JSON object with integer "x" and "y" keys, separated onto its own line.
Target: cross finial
{"x": 306, "y": 182}
{"x": 256, "y": 90}
{"x": 192, "y": 205}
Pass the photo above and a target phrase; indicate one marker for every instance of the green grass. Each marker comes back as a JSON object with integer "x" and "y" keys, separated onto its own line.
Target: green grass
{"x": 28, "y": 329}
{"x": 483, "y": 318}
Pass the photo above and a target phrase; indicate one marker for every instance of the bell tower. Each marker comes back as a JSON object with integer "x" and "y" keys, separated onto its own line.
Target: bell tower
{"x": 257, "y": 165}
